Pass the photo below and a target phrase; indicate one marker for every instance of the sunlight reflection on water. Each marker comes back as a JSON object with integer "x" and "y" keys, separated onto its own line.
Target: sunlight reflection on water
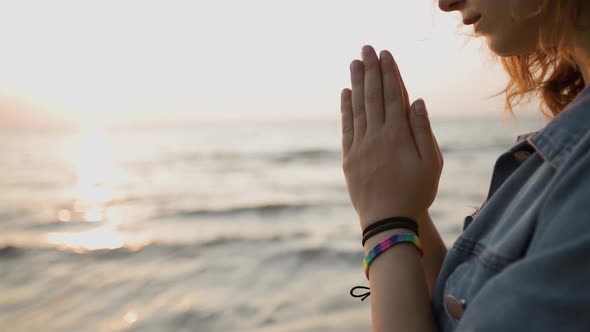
{"x": 98, "y": 183}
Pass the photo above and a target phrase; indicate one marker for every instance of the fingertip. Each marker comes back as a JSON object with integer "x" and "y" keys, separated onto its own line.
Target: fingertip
{"x": 384, "y": 56}
{"x": 356, "y": 66}
{"x": 346, "y": 96}
{"x": 419, "y": 107}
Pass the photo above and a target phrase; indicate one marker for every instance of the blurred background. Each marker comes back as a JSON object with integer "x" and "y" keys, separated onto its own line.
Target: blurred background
{"x": 175, "y": 165}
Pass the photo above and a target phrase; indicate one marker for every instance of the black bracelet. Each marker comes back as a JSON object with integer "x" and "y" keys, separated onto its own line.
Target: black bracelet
{"x": 391, "y": 225}
{"x": 387, "y": 221}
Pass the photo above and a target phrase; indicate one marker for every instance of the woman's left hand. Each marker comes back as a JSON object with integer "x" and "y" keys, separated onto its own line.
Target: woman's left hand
{"x": 391, "y": 160}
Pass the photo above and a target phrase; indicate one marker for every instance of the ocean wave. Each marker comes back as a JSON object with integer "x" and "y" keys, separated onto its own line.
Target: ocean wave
{"x": 262, "y": 209}
{"x": 235, "y": 239}
{"x": 313, "y": 255}
{"x": 56, "y": 225}
{"x": 152, "y": 249}
{"x": 10, "y": 251}
{"x": 482, "y": 148}
{"x": 185, "y": 320}
{"x": 307, "y": 155}
{"x": 279, "y": 157}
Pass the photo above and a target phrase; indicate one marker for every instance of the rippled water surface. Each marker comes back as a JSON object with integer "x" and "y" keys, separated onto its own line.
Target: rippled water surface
{"x": 203, "y": 228}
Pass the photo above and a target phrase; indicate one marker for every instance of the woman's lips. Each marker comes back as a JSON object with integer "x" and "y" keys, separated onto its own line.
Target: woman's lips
{"x": 471, "y": 20}
{"x": 476, "y": 24}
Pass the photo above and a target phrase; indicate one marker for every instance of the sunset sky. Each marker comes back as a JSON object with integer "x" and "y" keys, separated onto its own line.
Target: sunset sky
{"x": 119, "y": 61}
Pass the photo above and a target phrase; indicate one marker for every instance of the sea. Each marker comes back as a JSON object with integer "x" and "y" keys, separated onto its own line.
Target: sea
{"x": 204, "y": 226}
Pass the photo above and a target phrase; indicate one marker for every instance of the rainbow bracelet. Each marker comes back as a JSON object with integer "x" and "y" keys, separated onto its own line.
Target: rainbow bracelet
{"x": 382, "y": 246}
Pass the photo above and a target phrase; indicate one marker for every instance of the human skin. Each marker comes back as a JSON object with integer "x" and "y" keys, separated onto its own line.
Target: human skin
{"x": 507, "y": 35}
{"x": 386, "y": 178}
{"x": 392, "y": 164}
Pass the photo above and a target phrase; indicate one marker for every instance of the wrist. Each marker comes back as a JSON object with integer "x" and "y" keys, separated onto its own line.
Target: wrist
{"x": 374, "y": 240}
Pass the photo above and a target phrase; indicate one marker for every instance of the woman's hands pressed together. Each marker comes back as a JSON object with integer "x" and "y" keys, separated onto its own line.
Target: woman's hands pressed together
{"x": 390, "y": 157}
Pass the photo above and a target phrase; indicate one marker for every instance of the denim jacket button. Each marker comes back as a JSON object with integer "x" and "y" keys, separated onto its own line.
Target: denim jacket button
{"x": 521, "y": 155}
{"x": 455, "y": 307}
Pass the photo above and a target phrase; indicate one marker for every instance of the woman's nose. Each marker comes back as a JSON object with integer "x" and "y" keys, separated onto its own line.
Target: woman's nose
{"x": 450, "y": 5}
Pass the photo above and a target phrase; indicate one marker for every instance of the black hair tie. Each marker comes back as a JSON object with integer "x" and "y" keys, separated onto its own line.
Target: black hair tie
{"x": 387, "y": 224}
{"x": 362, "y": 296}
{"x": 387, "y": 221}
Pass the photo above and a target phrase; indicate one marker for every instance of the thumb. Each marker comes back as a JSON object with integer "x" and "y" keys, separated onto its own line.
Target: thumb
{"x": 422, "y": 131}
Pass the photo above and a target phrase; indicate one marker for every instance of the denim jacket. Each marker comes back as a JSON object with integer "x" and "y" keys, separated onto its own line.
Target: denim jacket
{"x": 522, "y": 262}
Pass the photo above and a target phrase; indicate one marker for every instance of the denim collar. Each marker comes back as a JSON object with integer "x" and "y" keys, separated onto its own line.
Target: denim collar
{"x": 557, "y": 139}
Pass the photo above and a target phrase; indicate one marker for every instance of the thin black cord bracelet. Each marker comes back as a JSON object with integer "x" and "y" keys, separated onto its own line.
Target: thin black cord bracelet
{"x": 362, "y": 296}
{"x": 392, "y": 225}
{"x": 386, "y": 221}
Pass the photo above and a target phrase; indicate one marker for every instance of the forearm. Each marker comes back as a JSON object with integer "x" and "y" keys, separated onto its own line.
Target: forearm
{"x": 399, "y": 295}
{"x": 434, "y": 250}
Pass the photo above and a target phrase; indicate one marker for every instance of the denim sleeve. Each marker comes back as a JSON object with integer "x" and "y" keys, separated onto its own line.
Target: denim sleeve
{"x": 549, "y": 288}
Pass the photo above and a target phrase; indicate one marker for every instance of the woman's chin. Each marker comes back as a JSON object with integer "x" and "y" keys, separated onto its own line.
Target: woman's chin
{"x": 505, "y": 48}
{"x": 499, "y": 48}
